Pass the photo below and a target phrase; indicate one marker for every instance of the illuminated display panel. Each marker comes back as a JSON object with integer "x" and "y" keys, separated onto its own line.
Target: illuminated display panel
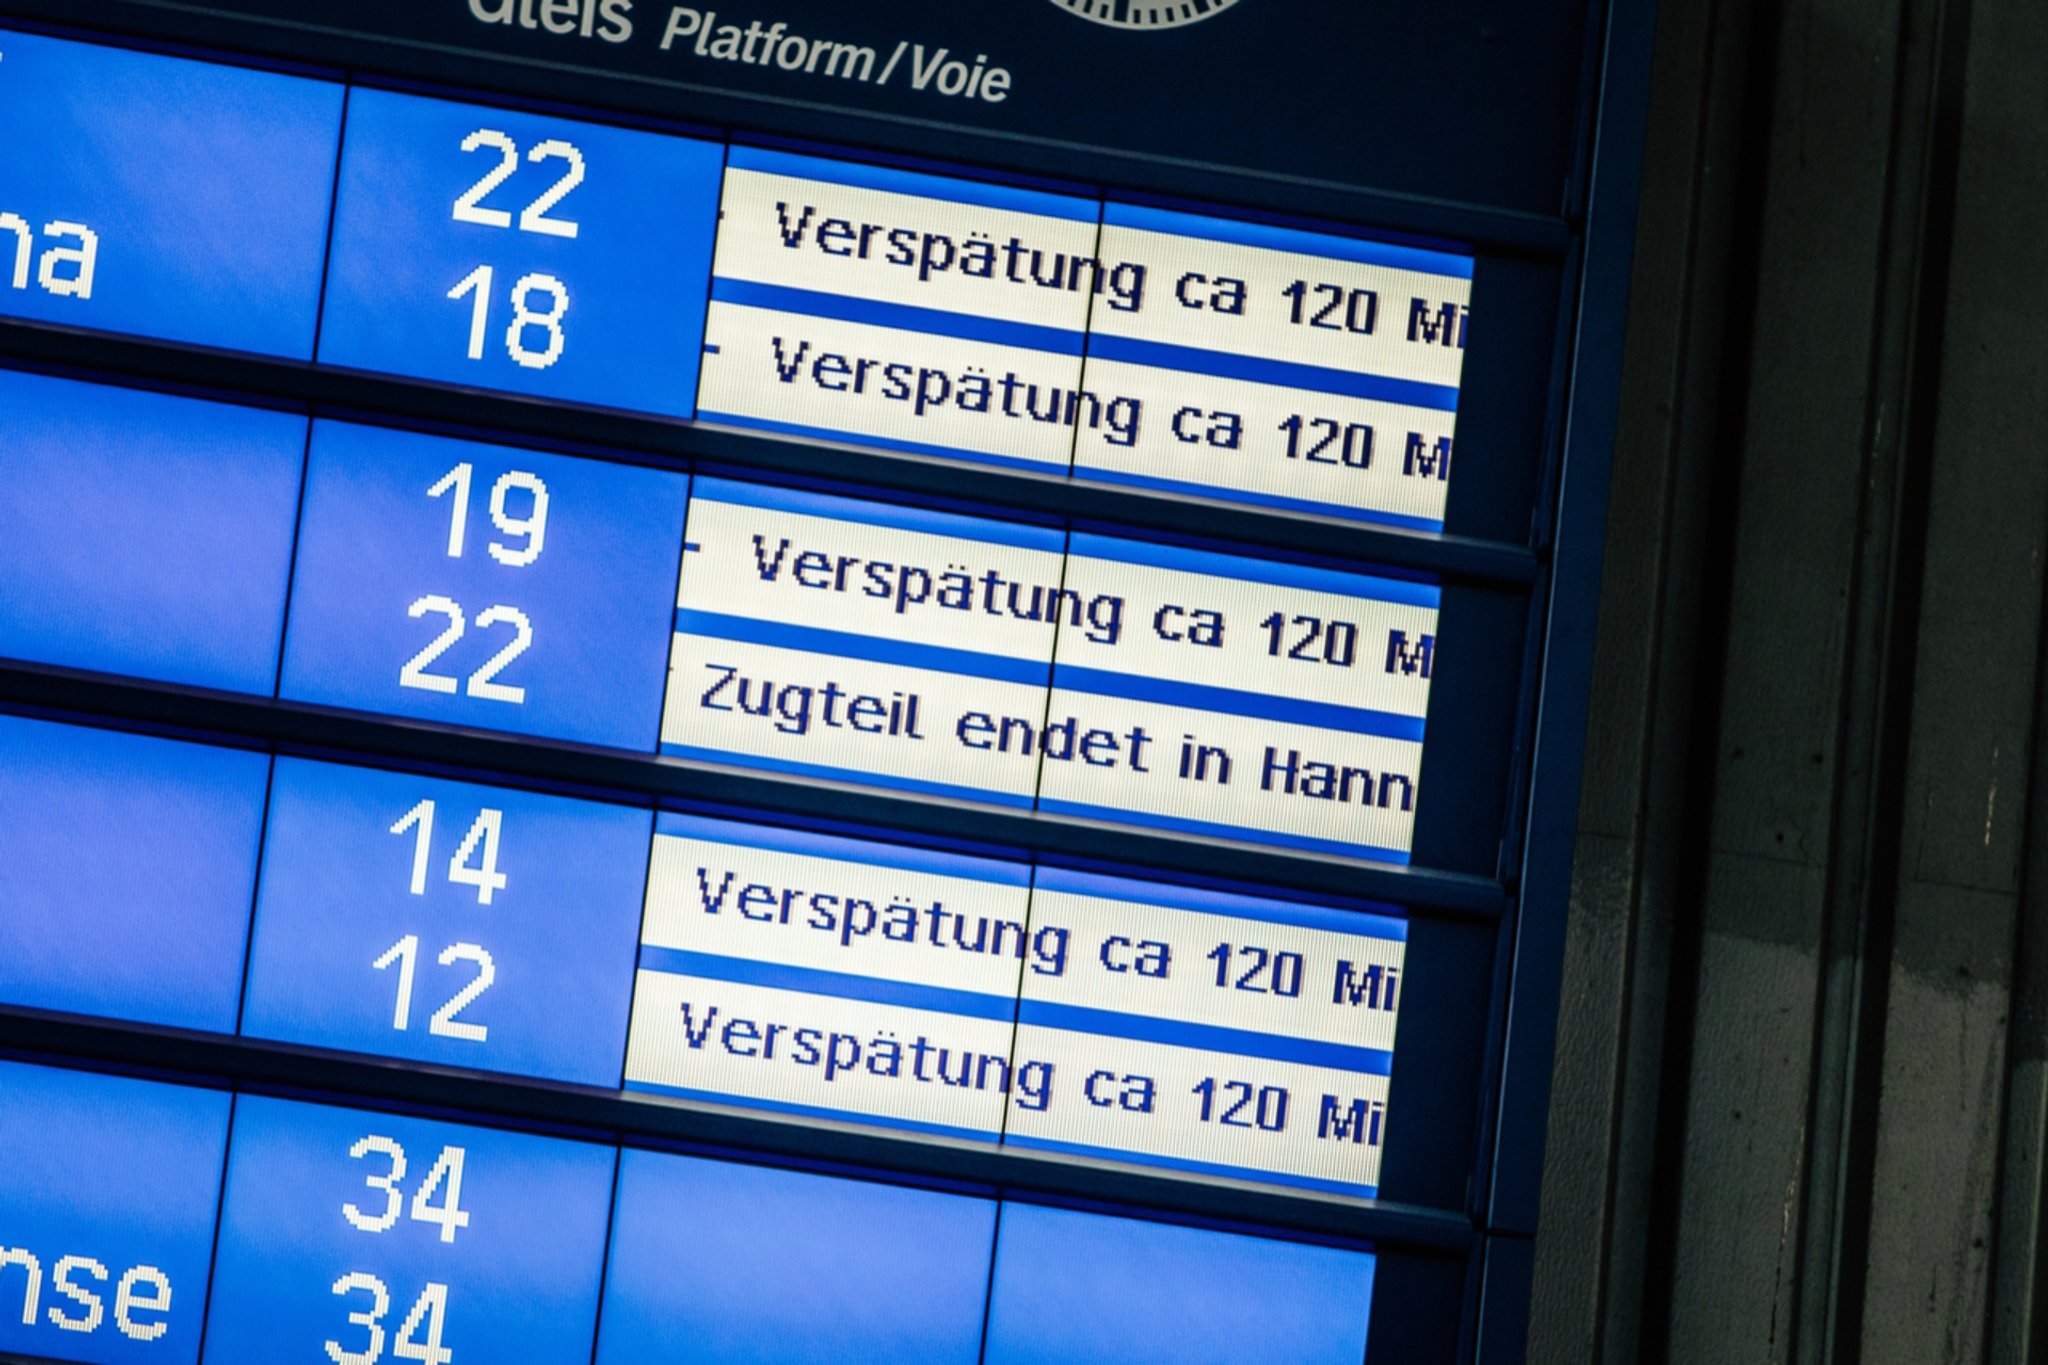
{"x": 446, "y": 922}
{"x": 811, "y": 635}
{"x": 1299, "y": 370}
{"x": 1276, "y": 698}
{"x": 130, "y": 861}
{"x": 723, "y": 1262}
{"x": 1063, "y": 1012}
{"x": 1211, "y": 1033}
{"x": 1029, "y": 659}
{"x": 479, "y": 585}
{"x": 501, "y": 930}
{"x": 817, "y": 975}
{"x": 108, "y": 1197}
{"x": 163, "y": 197}
{"x": 900, "y": 309}
{"x": 876, "y": 643}
{"x": 1068, "y": 1287}
{"x": 367, "y": 1230}
{"x": 886, "y": 307}
{"x": 846, "y": 639}
{"x": 509, "y": 251}
{"x": 145, "y": 534}
{"x": 825, "y": 298}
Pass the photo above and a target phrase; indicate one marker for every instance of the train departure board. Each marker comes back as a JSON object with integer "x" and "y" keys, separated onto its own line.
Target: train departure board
{"x": 836, "y": 684}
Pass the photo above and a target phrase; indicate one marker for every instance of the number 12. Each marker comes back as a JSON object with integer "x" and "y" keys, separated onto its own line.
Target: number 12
{"x": 406, "y": 954}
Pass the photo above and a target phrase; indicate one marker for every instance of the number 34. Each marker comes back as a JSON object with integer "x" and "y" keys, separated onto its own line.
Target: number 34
{"x": 419, "y": 1335}
{"x": 429, "y": 1313}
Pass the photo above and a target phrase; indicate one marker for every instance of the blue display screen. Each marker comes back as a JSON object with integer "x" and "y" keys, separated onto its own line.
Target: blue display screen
{"x": 642, "y": 620}
{"x": 494, "y": 929}
{"x": 484, "y": 586}
{"x": 446, "y": 922}
{"x": 129, "y": 866}
{"x": 392, "y": 1237}
{"x": 107, "y": 1200}
{"x": 163, "y": 197}
{"x": 1078, "y": 1288}
{"x": 714, "y": 1261}
{"x": 539, "y": 255}
{"x": 145, "y": 534}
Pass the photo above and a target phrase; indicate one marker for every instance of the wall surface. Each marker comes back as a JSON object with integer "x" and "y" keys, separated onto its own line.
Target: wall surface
{"x": 1801, "y": 1089}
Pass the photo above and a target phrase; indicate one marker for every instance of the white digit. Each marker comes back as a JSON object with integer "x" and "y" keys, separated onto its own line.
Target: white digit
{"x": 448, "y": 1216}
{"x": 534, "y": 218}
{"x": 533, "y": 526}
{"x": 433, "y": 1306}
{"x": 485, "y": 876}
{"x": 478, "y": 280}
{"x": 380, "y": 1299}
{"x": 523, "y": 317}
{"x": 421, "y": 815}
{"x": 480, "y": 684}
{"x": 405, "y": 953}
{"x": 486, "y": 972}
{"x": 457, "y": 479}
{"x": 386, "y": 1184}
{"x": 415, "y": 674}
{"x": 467, "y": 208}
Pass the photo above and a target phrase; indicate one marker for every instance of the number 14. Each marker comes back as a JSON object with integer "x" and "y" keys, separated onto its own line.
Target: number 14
{"x": 484, "y": 876}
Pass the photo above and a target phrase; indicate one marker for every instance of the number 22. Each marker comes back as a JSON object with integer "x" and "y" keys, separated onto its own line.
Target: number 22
{"x": 534, "y": 217}
{"x": 481, "y": 684}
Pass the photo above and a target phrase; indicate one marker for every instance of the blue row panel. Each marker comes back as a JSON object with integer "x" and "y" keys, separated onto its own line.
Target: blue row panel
{"x": 1079, "y": 1288}
{"x": 352, "y": 1236}
{"x": 130, "y": 865}
{"x": 481, "y": 585}
{"x": 145, "y": 534}
{"x": 526, "y": 253}
{"x": 107, "y": 1202}
{"x": 718, "y": 1262}
{"x": 163, "y": 197}
{"x": 446, "y": 922}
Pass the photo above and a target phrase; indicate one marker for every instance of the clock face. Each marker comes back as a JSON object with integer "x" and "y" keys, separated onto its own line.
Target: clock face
{"x": 1145, "y": 14}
